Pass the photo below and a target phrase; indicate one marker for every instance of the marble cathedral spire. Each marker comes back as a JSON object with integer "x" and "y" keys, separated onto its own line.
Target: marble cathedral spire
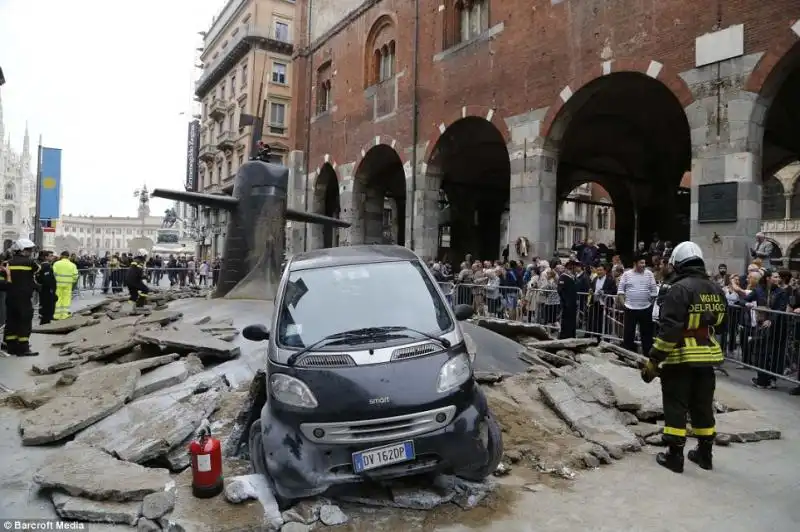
{"x": 26, "y": 145}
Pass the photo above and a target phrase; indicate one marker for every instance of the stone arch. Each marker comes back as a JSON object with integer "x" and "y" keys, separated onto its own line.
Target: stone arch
{"x": 379, "y": 198}
{"x": 652, "y": 68}
{"x": 377, "y": 141}
{"x": 327, "y": 159}
{"x": 490, "y": 114}
{"x": 779, "y": 47}
{"x": 326, "y": 200}
{"x": 603, "y": 133}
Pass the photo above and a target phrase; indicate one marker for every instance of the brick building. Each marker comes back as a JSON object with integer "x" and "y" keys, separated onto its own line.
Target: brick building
{"x": 468, "y": 121}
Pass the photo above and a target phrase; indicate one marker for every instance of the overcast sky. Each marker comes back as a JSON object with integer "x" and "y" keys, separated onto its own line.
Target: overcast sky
{"x": 105, "y": 81}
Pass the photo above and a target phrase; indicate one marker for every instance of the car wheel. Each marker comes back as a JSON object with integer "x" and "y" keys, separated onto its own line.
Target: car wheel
{"x": 259, "y": 462}
{"x": 495, "y": 451}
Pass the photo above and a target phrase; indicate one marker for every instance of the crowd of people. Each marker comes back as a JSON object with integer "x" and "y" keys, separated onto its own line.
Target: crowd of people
{"x": 179, "y": 270}
{"x": 53, "y": 280}
{"x": 594, "y": 292}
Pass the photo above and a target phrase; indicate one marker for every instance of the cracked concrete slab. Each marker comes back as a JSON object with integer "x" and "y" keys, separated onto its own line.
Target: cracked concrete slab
{"x": 747, "y": 426}
{"x": 147, "y": 429}
{"x": 87, "y": 510}
{"x": 630, "y": 391}
{"x": 82, "y": 471}
{"x": 161, "y": 377}
{"x": 596, "y": 422}
{"x": 189, "y": 338}
{"x": 93, "y": 396}
{"x": 85, "y": 334}
{"x": 212, "y": 515}
{"x": 65, "y": 326}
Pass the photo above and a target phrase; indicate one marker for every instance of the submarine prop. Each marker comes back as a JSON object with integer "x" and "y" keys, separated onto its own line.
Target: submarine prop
{"x": 256, "y": 232}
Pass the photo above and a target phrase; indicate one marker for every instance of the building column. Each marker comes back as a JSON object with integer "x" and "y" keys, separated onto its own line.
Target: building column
{"x": 425, "y": 212}
{"x": 295, "y": 232}
{"x": 788, "y": 196}
{"x": 533, "y": 202}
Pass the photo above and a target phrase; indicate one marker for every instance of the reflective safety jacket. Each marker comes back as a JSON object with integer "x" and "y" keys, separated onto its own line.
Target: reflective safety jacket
{"x": 691, "y": 309}
{"x": 66, "y": 272}
{"x": 21, "y": 271}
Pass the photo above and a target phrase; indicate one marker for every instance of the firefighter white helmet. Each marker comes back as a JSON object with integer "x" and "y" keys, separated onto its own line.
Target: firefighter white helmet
{"x": 685, "y": 252}
{"x": 141, "y": 253}
{"x": 21, "y": 244}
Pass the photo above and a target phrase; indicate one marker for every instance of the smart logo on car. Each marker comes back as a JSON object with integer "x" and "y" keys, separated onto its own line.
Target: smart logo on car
{"x": 378, "y": 400}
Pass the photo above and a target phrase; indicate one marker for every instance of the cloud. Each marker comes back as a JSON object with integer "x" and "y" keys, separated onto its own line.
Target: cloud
{"x": 106, "y": 82}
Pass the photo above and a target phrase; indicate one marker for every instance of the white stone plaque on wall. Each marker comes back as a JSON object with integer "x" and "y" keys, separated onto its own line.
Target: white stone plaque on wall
{"x": 719, "y": 46}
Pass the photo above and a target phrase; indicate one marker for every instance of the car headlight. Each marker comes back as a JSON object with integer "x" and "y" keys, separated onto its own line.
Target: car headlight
{"x": 454, "y": 373}
{"x": 291, "y": 391}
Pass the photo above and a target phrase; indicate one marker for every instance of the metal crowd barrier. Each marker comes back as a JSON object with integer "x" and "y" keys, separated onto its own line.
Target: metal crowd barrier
{"x": 763, "y": 340}
{"x": 755, "y": 338}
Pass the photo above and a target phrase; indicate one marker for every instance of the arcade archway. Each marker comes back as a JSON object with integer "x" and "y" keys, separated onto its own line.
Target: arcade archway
{"x": 629, "y": 133}
{"x": 470, "y": 170}
{"x": 326, "y": 202}
{"x": 585, "y": 214}
{"x": 781, "y": 124}
{"x": 773, "y": 199}
{"x": 379, "y": 198}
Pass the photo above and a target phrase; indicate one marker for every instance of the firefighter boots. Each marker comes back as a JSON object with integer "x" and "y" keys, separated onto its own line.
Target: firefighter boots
{"x": 672, "y": 459}
{"x": 702, "y": 455}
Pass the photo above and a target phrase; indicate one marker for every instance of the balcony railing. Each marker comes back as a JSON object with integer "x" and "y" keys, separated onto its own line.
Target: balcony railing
{"x": 219, "y": 109}
{"x": 206, "y": 152}
{"x": 237, "y": 48}
{"x": 781, "y": 226}
{"x": 225, "y": 141}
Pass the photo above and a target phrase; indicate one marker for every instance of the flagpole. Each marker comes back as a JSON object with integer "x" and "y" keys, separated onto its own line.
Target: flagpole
{"x": 37, "y": 223}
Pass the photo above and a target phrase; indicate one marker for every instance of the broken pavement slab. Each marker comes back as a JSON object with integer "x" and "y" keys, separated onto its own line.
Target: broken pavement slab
{"x": 595, "y": 422}
{"x": 161, "y": 377}
{"x": 512, "y": 329}
{"x": 630, "y": 391}
{"x": 215, "y": 514}
{"x": 147, "y": 429}
{"x": 160, "y": 317}
{"x": 92, "y": 397}
{"x": 65, "y": 326}
{"x": 87, "y": 510}
{"x": 83, "y": 471}
{"x": 189, "y": 338}
{"x": 747, "y": 426}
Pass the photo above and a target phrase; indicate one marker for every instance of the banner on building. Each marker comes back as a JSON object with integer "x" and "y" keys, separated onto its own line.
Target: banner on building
{"x": 50, "y": 185}
{"x": 192, "y": 154}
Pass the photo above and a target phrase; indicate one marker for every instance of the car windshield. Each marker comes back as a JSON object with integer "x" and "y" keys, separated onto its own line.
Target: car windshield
{"x": 319, "y": 302}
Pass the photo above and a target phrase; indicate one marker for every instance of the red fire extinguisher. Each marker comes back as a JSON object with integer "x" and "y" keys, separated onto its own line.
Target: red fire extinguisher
{"x": 206, "y": 453}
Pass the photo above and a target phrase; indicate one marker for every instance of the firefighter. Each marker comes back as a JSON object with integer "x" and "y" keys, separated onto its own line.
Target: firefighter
{"x": 134, "y": 280}
{"x": 20, "y": 286}
{"x": 66, "y": 274}
{"x": 687, "y": 352}
{"x": 47, "y": 288}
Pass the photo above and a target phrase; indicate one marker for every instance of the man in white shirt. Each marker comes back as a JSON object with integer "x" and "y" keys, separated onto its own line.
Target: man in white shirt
{"x": 637, "y": 288}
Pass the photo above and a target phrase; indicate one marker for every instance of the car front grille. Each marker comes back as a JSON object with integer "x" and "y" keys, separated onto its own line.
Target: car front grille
{"x": 414, "y": 351}
{"x": 325, "y": 361}
{"x": 379, "y": 430}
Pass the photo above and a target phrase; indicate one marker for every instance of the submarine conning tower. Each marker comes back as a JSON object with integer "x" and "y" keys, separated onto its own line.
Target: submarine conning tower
{"x": 256, "y": 233}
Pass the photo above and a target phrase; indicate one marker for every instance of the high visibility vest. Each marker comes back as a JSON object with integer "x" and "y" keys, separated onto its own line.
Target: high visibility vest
{"x": 66, "y": 272}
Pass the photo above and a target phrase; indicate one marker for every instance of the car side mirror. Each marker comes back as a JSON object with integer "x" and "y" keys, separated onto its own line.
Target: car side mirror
{"x": 463, "y": 312}
{"x": 256, "y": 333}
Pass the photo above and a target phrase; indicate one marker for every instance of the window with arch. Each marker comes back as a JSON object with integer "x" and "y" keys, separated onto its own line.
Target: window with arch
{"x": 466, "y": 19}
{"x": 324, "y": 88}
{"x": 380, "y": 52}
{"x": 9, "y": 191}
{"x": 773, "y": 202}
{"x": 8, "y": 217}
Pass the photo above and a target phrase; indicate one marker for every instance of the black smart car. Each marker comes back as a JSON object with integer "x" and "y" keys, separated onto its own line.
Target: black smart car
{"x": 368, "y": 376}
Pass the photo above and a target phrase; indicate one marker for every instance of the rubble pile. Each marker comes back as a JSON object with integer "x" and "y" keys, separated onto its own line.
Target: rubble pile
{"x": 583, "y": 403}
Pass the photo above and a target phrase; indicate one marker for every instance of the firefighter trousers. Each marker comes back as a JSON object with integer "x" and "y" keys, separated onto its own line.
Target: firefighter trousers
{"x": 63, "y": 301}
{"x": 688, "y": 395}
{"x": 19, "y": 322}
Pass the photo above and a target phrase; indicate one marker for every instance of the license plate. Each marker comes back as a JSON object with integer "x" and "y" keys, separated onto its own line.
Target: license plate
{"x": 383, "y": 456}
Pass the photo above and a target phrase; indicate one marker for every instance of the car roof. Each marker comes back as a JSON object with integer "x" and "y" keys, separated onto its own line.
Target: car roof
{"x": 348, "y": 255}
